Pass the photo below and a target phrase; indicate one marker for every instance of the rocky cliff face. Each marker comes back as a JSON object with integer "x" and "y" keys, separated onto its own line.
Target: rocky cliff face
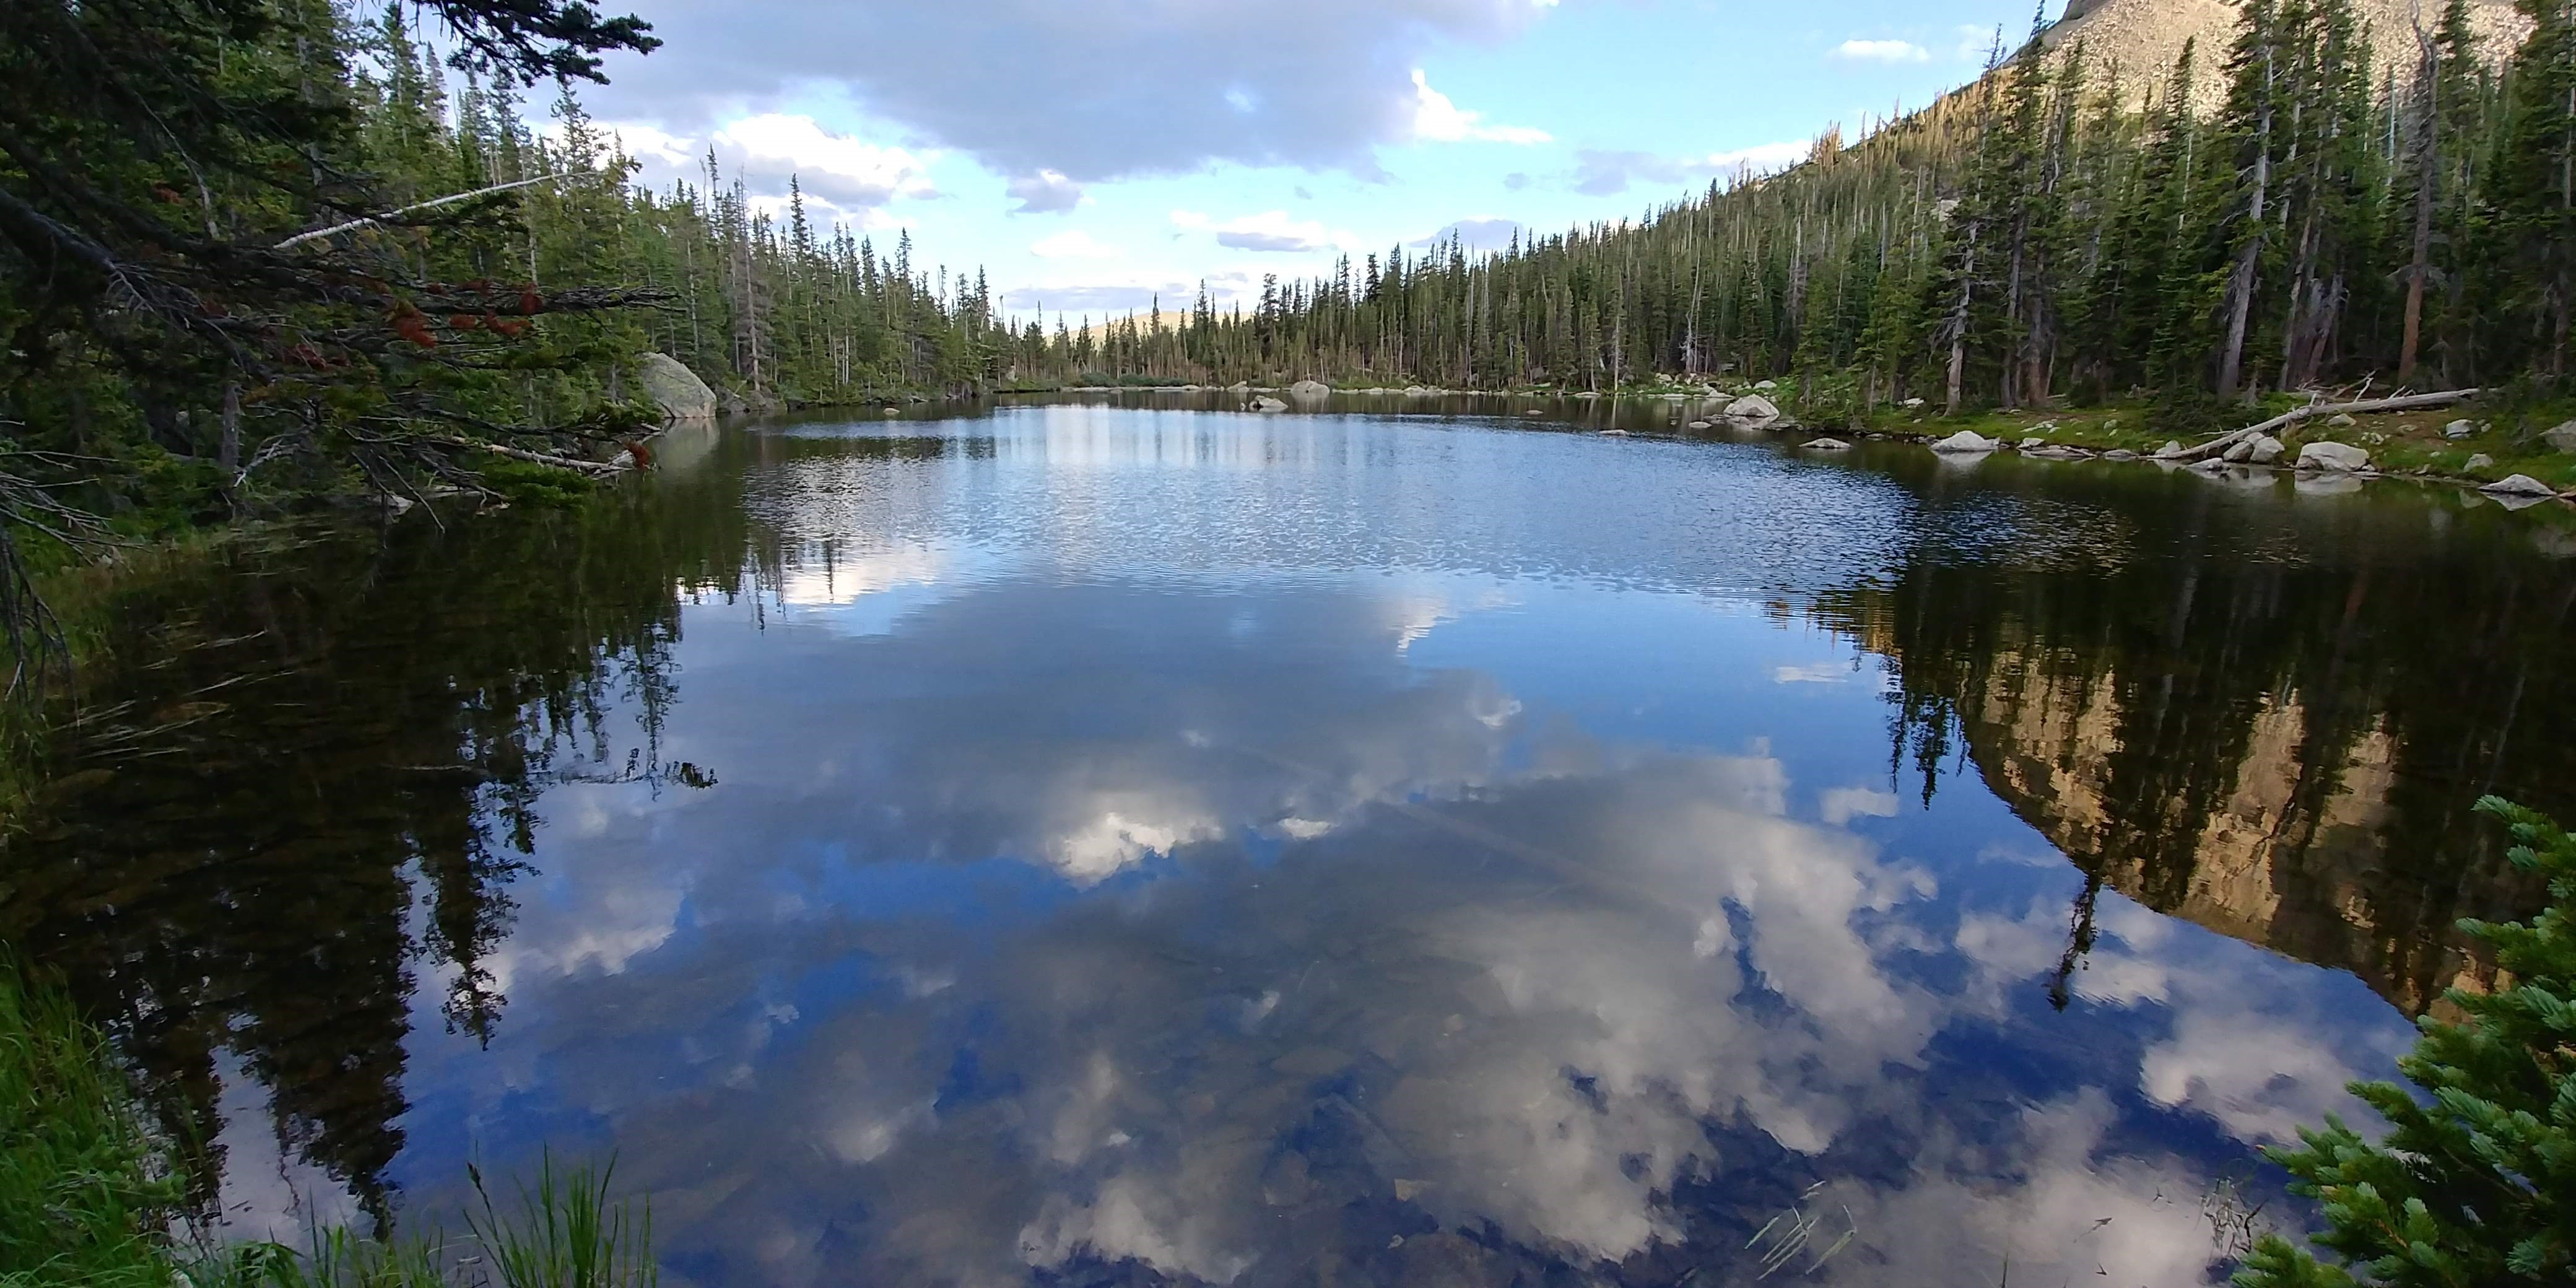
{"x": 2290, "y": 851}
{"x": 2143, "y": 38}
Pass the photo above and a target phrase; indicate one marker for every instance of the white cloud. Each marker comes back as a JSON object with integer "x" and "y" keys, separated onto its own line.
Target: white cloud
{"x": 1257, "y": 82}
{"x": 1812, "y": 673}
{"x": 840, "y": 168}
{"x": 1271, "y": 230}
{"x": 1073, "y": 243}
{"x": 1044, "y": 193}
{"x": 1437, "y": 120}
{"x": 1602, "y": 172}
{"x": 1840, "y": 805}
{"x": 1882, "y": 51}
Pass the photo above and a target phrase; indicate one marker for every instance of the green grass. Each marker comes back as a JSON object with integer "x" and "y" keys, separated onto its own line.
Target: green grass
{"x": 92, "y": 1197}
{"x": 85, "y": 1188}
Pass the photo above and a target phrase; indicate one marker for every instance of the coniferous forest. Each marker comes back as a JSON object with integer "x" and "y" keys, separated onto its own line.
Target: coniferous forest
{"x": 2046, "y": 234}
{"x": 258, "y": 249}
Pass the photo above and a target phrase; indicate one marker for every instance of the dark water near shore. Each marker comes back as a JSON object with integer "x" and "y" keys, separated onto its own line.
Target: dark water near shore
{"x": 1086, "y": 844}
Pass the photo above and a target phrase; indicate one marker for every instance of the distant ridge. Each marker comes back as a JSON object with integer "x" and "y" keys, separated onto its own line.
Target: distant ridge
{"x": 2142, "y": 38}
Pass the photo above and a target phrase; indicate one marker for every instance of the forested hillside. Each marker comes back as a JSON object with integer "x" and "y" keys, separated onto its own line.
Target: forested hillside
{"x": 256, "y": 251}
{"x": 2029, "y": 239}
{"x": 260, "y": 250}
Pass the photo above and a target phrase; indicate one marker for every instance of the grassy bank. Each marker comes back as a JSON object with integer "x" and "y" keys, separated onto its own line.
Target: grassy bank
{"x": 91, "y": 1195}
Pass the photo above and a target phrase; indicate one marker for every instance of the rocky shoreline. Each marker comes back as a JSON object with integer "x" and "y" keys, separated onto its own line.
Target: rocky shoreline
{"x": 684, "y": 399}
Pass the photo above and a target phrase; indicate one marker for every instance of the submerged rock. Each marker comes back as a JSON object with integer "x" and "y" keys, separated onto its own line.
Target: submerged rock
{"x": 1701, "y": 424}
{"x": 674, "y": 388}
{"x": 1825, "y": 445}
{"x": 1964, "y": 442}
{"x": 2119, "y": 454}
{"x": 1268, "y": 403}
{"x": 2333, "y": 457}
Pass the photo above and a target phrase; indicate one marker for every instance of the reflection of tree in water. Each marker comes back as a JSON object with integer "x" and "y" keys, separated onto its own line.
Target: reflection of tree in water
{"x": 2283, "y": 751}
{"x": 287, "y": 753}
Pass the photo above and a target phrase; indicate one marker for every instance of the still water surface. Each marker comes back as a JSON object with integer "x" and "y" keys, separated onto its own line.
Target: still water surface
{"x": 1088, "y": 844}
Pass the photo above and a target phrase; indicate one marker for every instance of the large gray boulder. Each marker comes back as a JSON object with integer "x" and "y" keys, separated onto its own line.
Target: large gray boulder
{"x": 674, "y": 388}
{"x": 1307, "y": 390}
{"x": 2562, "y": 439}
{"x": 2336, "y": 458}
{"x": 1752, "y": 411}
{"x": 1965, "y": 442}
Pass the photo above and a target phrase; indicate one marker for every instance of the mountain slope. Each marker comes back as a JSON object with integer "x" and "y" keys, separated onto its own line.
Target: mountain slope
{"x": 2144, "y": 37}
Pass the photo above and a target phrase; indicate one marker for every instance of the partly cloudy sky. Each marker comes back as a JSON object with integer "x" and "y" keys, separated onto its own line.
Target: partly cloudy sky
{"x": 1089, "y": 154}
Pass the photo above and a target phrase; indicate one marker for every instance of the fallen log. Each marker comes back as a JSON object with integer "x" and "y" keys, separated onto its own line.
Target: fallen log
{"x": 2407, "y": 402}
{"x": 539, "y": 458}
{"x": 418, "y": 206}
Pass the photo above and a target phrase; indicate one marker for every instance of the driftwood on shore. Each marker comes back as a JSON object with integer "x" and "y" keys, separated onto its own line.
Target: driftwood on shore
{"x": 2228, "y": 440}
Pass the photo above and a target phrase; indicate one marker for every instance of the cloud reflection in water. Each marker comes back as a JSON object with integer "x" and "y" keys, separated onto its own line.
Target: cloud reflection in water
{"x": 1229, "y": 938}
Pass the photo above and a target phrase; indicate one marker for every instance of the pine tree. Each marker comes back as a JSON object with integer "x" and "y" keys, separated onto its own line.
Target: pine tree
{"x": 2475, "y": 1182}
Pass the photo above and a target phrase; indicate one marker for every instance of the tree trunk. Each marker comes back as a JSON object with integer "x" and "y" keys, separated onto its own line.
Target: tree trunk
{"x": 228, "y": 447}
{"x": 2240, "y": 282}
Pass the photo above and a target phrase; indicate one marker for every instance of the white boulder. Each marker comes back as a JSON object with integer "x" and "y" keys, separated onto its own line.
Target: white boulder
{"x": 1752, "y": 411}
{"x": 2519, "y": 485}
{"x": 1965, "y": 442}
{"x": 2340, "y": 458}
{"x": 674, "y": 388}
{"x": 1309, "y": 389}
{"x": 2264, "y": 450}
{"x": 2458, "y": 429}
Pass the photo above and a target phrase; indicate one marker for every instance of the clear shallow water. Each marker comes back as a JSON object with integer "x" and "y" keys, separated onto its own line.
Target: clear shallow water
{"x": 1092, "y": 844}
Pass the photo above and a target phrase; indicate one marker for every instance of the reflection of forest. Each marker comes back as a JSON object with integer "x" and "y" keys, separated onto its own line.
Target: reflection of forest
{"x": 2284, "y": 753}
{"x": 305, "y": 779}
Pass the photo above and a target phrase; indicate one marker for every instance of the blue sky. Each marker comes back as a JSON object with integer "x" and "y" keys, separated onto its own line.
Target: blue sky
{"x": 1090, "y": 154}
